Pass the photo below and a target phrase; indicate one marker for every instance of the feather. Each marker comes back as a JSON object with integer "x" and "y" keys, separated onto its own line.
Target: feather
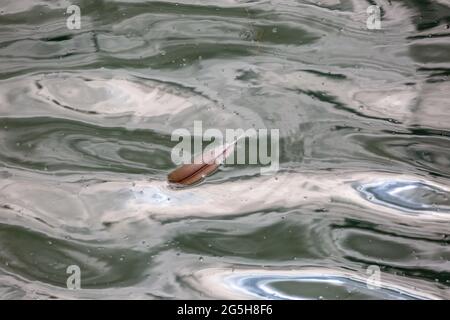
{"x": 206, "y": 164}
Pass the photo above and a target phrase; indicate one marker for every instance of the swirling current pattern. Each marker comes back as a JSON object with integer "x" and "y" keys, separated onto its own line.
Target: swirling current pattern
{"x": 359, "y": 209}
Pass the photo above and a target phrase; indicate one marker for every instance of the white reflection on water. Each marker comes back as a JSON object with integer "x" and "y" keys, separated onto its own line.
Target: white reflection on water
{"x": 304, "y": 283}
{"x": 115, "y": 201}
{"x": 407, "y": 195}
{"x": 117, "y": 99}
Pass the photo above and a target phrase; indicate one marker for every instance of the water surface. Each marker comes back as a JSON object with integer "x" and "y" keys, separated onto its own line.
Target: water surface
{"x": 86, "y": 118}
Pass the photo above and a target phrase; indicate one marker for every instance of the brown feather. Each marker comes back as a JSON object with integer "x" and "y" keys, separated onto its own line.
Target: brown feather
{"x": 189, "y": 174}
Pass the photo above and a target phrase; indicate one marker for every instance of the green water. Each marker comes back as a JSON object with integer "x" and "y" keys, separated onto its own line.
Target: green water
{"x": 86, "y": 118}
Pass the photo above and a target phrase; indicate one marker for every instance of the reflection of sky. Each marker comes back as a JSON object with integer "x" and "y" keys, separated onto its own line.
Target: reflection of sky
{"x": 261, "y": 286}
{"x": 407, "y": 195}
{"x": 160, "y": 196}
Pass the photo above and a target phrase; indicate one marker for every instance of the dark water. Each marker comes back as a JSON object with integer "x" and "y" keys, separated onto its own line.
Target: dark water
{"x": 86, "y": 118}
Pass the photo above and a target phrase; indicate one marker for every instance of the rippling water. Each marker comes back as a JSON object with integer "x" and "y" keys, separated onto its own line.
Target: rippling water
{"x": 86, "y": 118}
